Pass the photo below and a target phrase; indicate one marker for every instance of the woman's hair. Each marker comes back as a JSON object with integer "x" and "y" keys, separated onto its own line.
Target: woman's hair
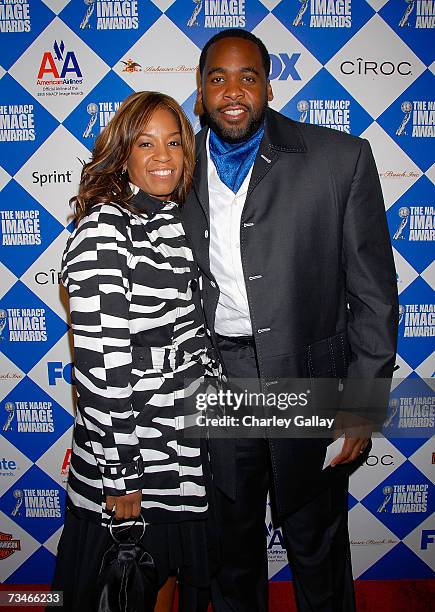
{"x": 103, "y": 178}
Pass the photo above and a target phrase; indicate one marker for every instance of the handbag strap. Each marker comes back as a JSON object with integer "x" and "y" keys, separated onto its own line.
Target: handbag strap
{"x": 127, "y": 528}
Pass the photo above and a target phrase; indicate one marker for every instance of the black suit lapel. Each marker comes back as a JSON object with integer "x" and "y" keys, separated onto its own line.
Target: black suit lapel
{"x": 277, "y": 139}
{"x": 200, "y": 180}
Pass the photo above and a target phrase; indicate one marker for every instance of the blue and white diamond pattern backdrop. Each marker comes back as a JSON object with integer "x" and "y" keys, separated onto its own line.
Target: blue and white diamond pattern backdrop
{"x": 361, "y": 66}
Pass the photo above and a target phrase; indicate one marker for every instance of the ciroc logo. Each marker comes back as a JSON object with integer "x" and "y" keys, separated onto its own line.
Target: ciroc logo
{"x": 384, "y": 68}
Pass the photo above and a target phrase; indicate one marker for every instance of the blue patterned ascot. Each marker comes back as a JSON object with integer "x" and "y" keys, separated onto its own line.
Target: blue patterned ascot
{"x": 234, "y": 160}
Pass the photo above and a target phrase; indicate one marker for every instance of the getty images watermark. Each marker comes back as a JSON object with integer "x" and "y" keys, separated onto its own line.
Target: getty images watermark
{"x": 236, "y": 402}
{"x": 309, "y": 408}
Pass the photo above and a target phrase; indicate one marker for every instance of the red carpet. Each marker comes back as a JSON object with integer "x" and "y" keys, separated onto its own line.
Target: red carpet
{"x": 372, "y": 596}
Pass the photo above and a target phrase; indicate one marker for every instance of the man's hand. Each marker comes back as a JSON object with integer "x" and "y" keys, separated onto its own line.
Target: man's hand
{"x": 357, "y": 432}
{"x": 126, "y": 506}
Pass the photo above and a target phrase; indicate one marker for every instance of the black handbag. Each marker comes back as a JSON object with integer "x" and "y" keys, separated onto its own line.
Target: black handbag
{"x": 127, "y": 579}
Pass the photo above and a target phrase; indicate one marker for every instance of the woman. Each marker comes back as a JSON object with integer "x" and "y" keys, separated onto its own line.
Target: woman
{"x": 138, "y": 337}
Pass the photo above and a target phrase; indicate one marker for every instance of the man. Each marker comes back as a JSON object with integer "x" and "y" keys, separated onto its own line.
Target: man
{"x": 288, "y": 227}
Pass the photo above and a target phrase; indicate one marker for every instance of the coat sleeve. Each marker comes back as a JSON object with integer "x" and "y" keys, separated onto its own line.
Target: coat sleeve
{"x": 371, "y": 286}
{"x": 96, "y": 274}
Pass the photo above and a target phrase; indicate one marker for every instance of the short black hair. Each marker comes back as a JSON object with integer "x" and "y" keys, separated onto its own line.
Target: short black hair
{"x": 236, "y": 33}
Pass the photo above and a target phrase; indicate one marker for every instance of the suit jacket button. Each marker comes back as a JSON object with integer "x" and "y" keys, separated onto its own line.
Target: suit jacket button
{"x": 213, "y": 284}
{"x": 206, "y": 234}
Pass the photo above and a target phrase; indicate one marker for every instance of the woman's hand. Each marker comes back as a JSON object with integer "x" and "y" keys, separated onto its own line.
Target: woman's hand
{"x": 126, "y": 506}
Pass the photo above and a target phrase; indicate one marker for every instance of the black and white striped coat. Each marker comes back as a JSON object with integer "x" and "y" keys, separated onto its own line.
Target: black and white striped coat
{"x": 139, "y": 337}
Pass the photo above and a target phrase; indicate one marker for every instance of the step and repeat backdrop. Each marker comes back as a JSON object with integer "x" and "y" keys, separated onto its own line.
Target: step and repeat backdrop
{"x": 361, "y": 66}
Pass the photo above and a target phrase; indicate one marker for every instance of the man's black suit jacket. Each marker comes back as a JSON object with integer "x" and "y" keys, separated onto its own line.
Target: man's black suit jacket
{"x": 319, "y": 274}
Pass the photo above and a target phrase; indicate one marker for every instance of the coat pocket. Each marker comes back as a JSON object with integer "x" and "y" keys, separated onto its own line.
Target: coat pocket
{"x": 329, "y": 357}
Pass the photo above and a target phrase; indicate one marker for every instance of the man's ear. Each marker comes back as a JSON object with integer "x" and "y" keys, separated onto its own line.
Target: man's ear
{"x": 269, "y": 92}
{"x": 198, "y": 108}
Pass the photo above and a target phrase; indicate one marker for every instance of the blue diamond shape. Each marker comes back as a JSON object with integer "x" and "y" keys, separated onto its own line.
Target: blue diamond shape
{"x": 410, "y": 120}
{"x": 416, "y": 326}
{"x": 24, "y": 309}
{"x": 108, "y": 34}
{"x": 94, "y": 112}
{"x": 37, "y": 569}
{"x": 398, "y": 563}
{"x": 36, "y": 503}
{"x": 403, "y": 500}
{"x": 409, "y": 25}
{"x": 30, "y": 18}
{"x": 324, "y": 34}
{"x": 324, "y": 101}
{"x": 27, "y": 409}
{"x": 410, "y": 220}
{"x": 25, "y": 124}
{"x": 26, "y": 228}
{"x": 200, "y": 26}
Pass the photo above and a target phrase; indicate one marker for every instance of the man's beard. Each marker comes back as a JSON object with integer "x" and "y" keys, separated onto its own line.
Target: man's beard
{"x": 234, "y": 133}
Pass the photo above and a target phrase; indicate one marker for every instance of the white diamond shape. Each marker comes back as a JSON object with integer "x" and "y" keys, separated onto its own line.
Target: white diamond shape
{"x": 54, "y": 362}
{"x": 8, "y": 280}
{"x": 426, "y": 369}
{"x": 278, "y": 40}
{"x": 396, "y": 170}
{"x": 53, "y": 541}
{"x": 424, "y": 458}
{"x": 270, "y": 4}
{"x": 405, "y": 272}
{"x": 2, "y": 72}
{"x": 56, "y": 6}
{"x": 42, "y": 276}
{"x": 163, "y": 5}
{"x": 376, "y": 4}
{"x": 375, "y": 42}
{"x": 430, "y": 173}
{"x": 27, "y": 546}
{"x": 175, "y": 72}
{"x": 383, "y": 460}
{"x": 26, "y": 68}
{"x": 429, "y": 275}
{"x": 403, "y": 371}
{"x": 9, "y": 475}
{"x": 53, "y": 459}
{"x": 10, "y": 376}
{"x": 57, "y": 164}
{"x": 4, "y": 178}
{"x": 370, "y": 540}
{"x": 416, "y": 539}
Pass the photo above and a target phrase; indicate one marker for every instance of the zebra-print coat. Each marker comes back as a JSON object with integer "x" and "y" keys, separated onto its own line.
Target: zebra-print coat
{"x": 139, "y": 348}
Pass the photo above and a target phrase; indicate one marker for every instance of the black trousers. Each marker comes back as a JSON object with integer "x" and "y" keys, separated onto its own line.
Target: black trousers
{"x": 315, "y": 536}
